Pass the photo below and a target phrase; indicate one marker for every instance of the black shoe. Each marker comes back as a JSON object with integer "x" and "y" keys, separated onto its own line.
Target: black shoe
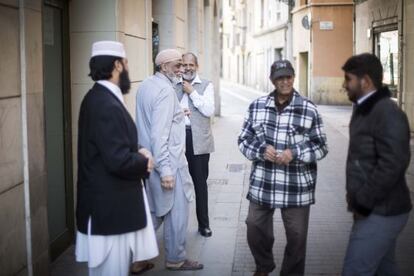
{"x": 205, "y": 232}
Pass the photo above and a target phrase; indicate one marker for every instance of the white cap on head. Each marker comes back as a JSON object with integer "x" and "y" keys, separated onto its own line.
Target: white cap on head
{"x": 108, "y": 48}
{"x": 167, "y": 55}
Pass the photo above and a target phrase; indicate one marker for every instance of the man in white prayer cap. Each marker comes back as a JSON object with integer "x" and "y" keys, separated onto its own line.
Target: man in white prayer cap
{"x": 161, "y": 128}
{"x": 113, "y": 217}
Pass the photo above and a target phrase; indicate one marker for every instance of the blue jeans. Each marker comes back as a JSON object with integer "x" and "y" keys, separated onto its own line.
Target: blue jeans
{"x": 371, "y": 248}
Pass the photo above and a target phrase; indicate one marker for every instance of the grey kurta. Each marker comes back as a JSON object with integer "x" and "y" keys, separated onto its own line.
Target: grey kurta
{"x": 161, "y": 129}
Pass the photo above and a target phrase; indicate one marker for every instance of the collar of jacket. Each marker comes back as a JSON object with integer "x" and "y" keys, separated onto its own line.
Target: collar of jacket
{"x": 366, "y": 106}
{"x": 163, "y": 77}
{"x": 296, "y": 99}
{"x": 99, "y": 86}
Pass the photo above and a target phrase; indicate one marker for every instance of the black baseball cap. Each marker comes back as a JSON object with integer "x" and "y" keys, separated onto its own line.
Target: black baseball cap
{"x": 281, "y": 68}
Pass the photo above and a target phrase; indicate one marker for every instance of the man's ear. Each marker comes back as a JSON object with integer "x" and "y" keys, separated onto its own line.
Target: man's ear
{"x": 119, "y": 66}
{"x": 366, "y": 82}
{"x": 162, "y": 66}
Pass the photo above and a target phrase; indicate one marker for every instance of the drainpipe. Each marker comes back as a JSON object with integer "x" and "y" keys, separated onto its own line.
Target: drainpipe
{"x": 289, "y": 45}
{"x": 401, "y": 50}
{"x": 354, "y": 30}
{"x": 24, "y": 138}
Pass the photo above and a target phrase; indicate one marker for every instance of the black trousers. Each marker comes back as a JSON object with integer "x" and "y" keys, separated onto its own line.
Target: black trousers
{"x": 260, "y": 238}
{"x": 198, "y": 166}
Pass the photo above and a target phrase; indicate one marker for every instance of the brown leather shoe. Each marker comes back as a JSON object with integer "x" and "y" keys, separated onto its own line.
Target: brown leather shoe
{"x": 260, "y": 274}
{"x": 141, "y": 267}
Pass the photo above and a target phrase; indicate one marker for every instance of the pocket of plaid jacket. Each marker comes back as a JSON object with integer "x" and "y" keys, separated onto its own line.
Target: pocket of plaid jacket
{"x": 296, "y": 135}
{"x": 260, "y": 132}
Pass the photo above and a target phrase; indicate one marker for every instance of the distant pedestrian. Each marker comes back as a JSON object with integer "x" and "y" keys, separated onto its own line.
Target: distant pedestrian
{"x": 283, "y": 135}
{"x": 161, "y": 128}
{"x": 112, "y": 213}
{"x": 196, "y": 97}
{"x": 378, "y": 157}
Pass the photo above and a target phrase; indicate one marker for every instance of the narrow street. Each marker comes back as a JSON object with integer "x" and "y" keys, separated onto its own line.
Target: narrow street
{"x": 226, "y": 252}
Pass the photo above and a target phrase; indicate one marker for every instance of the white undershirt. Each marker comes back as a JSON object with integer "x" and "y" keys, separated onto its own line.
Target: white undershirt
{"x": 204, "y": 103}
{"x": 364, "y": 98}
{"x": 114, "y": 89}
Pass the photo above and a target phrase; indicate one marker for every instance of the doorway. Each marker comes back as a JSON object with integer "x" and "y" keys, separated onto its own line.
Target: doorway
{"x": 304, "y": 74}
{"x": 155, "y": 42}
{"x": 57, "y": 125}
{"x": 387, "y": 50}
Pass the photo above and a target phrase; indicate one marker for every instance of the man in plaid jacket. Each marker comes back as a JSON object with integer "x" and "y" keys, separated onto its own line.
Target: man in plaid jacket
{"x": 283, "y": 136}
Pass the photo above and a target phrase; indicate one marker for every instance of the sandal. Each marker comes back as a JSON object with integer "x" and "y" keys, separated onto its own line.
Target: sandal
{"x": 184, "y": 265}
{"x": 141, "y": 267}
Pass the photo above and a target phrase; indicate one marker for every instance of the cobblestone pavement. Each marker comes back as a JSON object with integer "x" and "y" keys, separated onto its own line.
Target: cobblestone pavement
{"x": 226, "y": 252}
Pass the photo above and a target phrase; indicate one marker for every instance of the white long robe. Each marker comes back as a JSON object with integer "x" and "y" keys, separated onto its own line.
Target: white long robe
{"x": 94, "y": 249}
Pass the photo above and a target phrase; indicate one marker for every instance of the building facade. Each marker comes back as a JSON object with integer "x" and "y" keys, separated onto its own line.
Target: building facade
{"x": 46, "y": 47}
{"x": 385, "y": 28}
{"x": 322, "y": 42}
{"x": 255, "y": 34}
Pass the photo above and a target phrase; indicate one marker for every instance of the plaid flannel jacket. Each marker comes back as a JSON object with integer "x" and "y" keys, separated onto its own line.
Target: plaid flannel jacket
{"x": 298, "y": 127}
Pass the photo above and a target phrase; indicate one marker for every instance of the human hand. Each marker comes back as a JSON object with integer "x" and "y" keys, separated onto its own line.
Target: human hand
{"x": 284, "y": 158}
{"x": 188, "y": 88}
{"x": 168, "y": 182}
{"x": 147, "y": 154}
{"x": 270, "y": 153}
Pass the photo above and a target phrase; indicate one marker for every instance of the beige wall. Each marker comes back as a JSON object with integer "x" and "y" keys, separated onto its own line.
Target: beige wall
{"x": 128, "y": 21}
{"x": 327, "y": 49}
{"x": 301, "y": 44}
{"x": 301, "y": 36}
{"x": 195, "y": 27}
{"x": 228, "y": 41}
{"x": 330, "y": 50}
{"x": 264, "y": 51}
{"x": 13, "y": 250}
{"x": 171, "y": 16}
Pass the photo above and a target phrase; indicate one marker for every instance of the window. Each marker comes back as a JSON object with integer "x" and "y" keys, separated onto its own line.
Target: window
{"x": 278, "y": 54}
{"x": 386, "y": 49}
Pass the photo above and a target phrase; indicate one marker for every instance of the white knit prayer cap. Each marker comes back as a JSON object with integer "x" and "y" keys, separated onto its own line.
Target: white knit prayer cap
{"x": 108, "y": 48}
{"x": 167, "y": 55}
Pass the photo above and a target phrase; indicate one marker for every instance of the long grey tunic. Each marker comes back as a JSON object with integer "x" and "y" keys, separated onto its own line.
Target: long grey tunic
{"x": 161, "y": 129}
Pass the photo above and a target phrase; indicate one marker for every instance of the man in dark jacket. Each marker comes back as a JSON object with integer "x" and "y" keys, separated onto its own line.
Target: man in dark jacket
{"x": 112, "y": 212}
{"x": 378, "y": 157}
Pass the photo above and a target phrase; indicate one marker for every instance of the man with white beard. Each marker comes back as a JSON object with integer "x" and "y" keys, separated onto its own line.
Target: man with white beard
{"x": 196, "y": 97}
{"x": 161, "y": 128}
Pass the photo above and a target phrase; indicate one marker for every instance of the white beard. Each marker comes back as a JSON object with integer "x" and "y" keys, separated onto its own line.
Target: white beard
{"x": 189, "y": 76}
{"x": 173, "y": 78}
